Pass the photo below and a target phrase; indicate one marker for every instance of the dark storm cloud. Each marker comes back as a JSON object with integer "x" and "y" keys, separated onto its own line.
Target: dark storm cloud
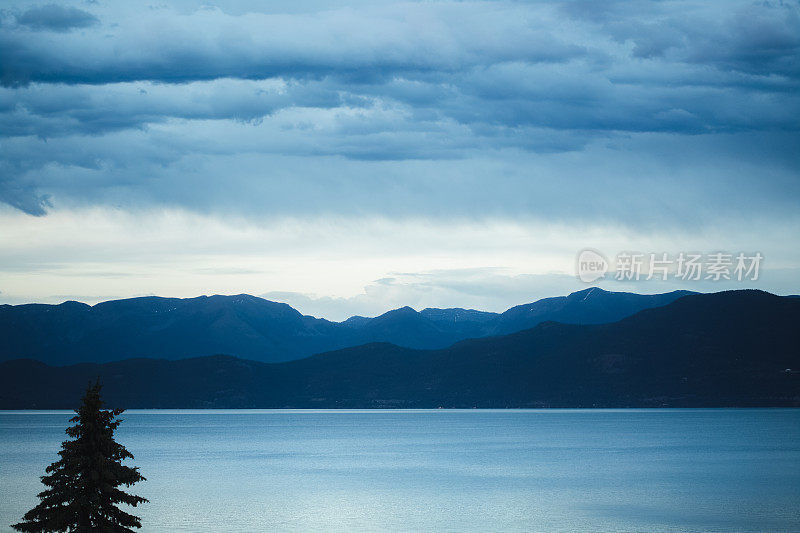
{"x": 56, "y": 18}
{"x": 357, "y": 46}
{"x": 760, "y": 38}
{"x": 553, "y": 109}
{"x": 18, "y": 188}
{"x": 55, "y": 110}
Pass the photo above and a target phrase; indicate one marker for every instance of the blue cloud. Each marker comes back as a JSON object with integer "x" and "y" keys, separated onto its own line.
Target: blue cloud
{"x": 361, "y": 46}
{"x": 549, "y": 109}
{"x": 55, "y": 17}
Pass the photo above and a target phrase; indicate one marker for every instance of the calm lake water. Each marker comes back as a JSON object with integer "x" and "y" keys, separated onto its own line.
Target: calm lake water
{"x": 538, "y": 470}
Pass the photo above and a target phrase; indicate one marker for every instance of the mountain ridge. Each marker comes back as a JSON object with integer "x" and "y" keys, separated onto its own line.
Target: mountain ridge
{"x": 728, "y": 349}
{"x": 254, "y": 328}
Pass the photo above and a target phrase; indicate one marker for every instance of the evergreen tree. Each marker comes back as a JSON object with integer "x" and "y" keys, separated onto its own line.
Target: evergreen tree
{"x": 82, "y": 493}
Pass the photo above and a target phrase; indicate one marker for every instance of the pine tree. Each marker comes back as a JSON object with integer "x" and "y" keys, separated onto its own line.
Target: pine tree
{"x": 82, "y": 493}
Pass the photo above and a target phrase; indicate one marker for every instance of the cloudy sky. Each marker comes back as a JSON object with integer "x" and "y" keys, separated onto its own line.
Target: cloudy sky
{"x": 348, "y": 158}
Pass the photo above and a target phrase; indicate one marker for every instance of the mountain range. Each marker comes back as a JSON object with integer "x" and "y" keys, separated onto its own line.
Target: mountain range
{"x": 734, "y": 349}
{"x": 253, "y": 328}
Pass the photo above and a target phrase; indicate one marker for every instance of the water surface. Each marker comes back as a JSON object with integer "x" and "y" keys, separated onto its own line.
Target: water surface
{"x": 444, "y": 470}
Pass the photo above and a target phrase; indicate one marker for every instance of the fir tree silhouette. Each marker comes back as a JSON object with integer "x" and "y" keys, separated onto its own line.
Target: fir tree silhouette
{"x": 82, "y": 493}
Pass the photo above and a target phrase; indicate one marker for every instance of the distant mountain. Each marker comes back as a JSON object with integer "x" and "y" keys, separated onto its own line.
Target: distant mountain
{"x": 589, "y": 306}
{"x": 161, "y": 327}
{"x": 738, "y": 348}
{"x": 253, "y": 328}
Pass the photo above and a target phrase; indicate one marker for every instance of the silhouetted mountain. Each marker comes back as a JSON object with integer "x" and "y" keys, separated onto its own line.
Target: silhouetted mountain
{"x": 738, "y": 348}
{"x": 162, "y": 327}
{"x": 589, "y": 306}
{"x": 426, "y": 329}
{"x": 250, "y": 327}
{"x": 457, "y": 314}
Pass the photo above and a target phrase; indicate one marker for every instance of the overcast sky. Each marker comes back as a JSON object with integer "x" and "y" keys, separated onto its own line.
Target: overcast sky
{"x": 355, "y": 158}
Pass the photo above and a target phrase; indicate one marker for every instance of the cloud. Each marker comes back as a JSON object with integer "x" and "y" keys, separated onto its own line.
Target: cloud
{"x": 363, "y": 156}
{"x": 55, "y": 17}
{"x": 756, "y": 38}
{"x": 366, "y": 44}
{"x": 492, "y": 289}
{"x": 24, "y": 197}
{"x": 473, "y": 288}
{"x": 344, "y": 265}
{"x": 46, "y": 111}
{"x": 642, "y": 113}
{"x": 273, "y": 169}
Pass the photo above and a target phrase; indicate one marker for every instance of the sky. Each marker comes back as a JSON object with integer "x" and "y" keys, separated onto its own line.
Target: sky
{"x": 353, "y": 157}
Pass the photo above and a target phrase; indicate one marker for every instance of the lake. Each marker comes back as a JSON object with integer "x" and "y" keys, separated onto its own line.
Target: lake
{"x": 443, "y": 470}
